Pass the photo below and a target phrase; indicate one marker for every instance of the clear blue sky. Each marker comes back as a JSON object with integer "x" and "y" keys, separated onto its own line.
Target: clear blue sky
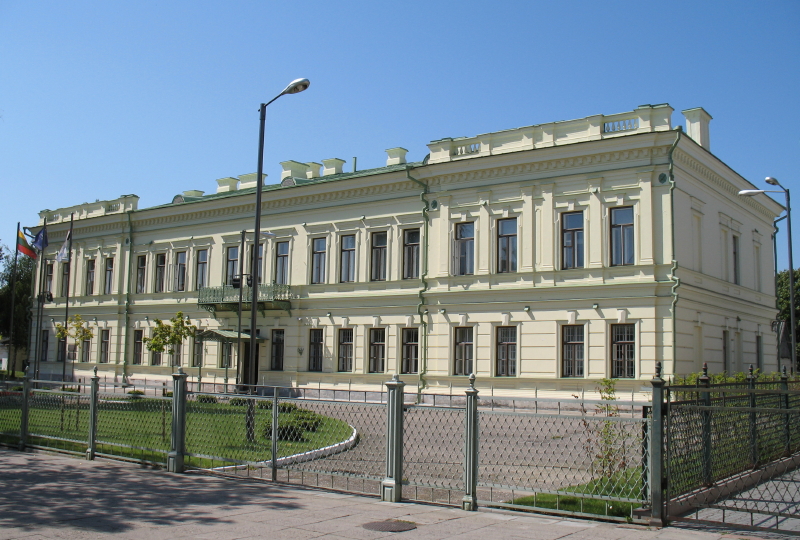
{"x": 99, "y": 99}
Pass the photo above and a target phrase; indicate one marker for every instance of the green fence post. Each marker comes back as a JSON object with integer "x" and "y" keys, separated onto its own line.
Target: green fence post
{"x": 705, "y": 399}
{"x": 751, "y": 386}
{"x": 178, "y": 439}
{"x": 23, "y": 417}
{"x": 94, "y": 390}
{"x": 275, "y": 419}
{"x": 657, "y": 517}
{"x": 392, "y": 485}
{"x": 470, "y": 500}
{"x": 787, "y": 434}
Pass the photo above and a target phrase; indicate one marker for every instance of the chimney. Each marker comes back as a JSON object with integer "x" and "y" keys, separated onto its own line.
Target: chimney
{"x": 697, "y": 121}
{"x": 249, "y": 180}
{"x": 332, "y": 166}
{"x": 293, "y": 169}
{"x": 193, "y": 193}
{"x": 313, "y": 169}
{"x": 227, "y": 184}
{"x": 397, "y": 156}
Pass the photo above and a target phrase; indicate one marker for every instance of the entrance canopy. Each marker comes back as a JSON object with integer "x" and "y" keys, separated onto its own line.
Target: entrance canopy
{"x": 224, "y": 336}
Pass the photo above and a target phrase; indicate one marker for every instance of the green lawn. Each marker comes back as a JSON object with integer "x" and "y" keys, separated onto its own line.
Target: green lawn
{"x": 212, "y": 429}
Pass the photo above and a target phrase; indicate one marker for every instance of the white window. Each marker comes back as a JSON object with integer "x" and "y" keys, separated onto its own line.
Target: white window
{"x": 464, "y": 250}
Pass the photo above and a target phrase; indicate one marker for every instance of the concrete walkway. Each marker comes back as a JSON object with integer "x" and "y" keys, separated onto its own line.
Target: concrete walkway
{"x": 50, "y": 496}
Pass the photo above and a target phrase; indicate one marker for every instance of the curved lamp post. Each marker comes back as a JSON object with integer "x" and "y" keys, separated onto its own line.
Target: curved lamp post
{"x": 752, "y": 192}
{"x": 294, "y": 87}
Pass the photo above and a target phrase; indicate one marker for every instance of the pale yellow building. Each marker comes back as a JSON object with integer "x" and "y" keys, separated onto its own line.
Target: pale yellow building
{"x": 541, "y": 258}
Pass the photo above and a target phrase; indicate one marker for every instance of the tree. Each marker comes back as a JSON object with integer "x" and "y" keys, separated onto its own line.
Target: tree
{"x": 166, "y": 336}
{"x": 22, "y": 314}
{"x": 75, "y": 329}
{"x": 783, "y": 302}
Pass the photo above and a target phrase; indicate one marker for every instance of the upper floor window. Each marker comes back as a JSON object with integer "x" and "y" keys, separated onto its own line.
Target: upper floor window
{"x": 141, "y": 272}
{"x": 410, "y": 350}
{"x": 347, "y": 272}
{"x": 622, "y": 236}
{"x": 318, "y": 249}
{"x": 231, "y": 262}
{"x": 180, "y": 271}
{"x": 202, "y": 269}
{"x": 572, "y": 350}
{"x": 315, "y": 350}
{"x": 282, "y": 263}
{"x": 65, "y": 279}
{"x": 161, "y": 271}
{"x": 623, "y": 351}
{"x": 464, "y": 249}
{"x": 735, "y": 259}
{"x": 276, "y": 360}
{"x": 260, "y": 263}
{"x": 109, "y": 281}
{"x": 378, "y": 256}
{"x": 377, "y": 350}
{"x": 48, "y": 278}
{"x": 90, "y": 277}
{"x": 346, "y": 349}
{"x": 411, "y": 253}
{"x": 506, "y": 351}
{"x": 572, "y": 240}
{"x": 507, "y": 245}
{"x": 463, "y": 351}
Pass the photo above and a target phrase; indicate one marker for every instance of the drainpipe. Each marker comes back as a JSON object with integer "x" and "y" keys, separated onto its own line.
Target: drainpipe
{"x": 127, "y": 302}
{"x": 675, "y": 279}
{"x": 423, "y": 368}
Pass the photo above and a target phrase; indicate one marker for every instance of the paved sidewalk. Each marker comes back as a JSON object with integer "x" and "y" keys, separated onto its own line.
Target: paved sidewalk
{"x": 49, "y": 496}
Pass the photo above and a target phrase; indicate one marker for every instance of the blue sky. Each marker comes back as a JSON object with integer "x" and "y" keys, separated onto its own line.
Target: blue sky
{"x": 99, "y": 99}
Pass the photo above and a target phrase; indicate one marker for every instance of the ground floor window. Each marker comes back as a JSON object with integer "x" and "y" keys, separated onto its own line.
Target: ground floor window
{"x": 346, "y": 349}
{"x": 377, "y": 350}
{"x": 276, "y": 360}
{"x": 623, "y": 352}
{"x": 506, "y": 351}
{"x": 463, "y": 351}
{"x": 315, "y": 350}
{"x": 197, "y": 353}
{"x": 138, "y": 346}
{"x": 105, "y": 345}
{"x": 410, "y": 362}
{"x": 227, "y": 355}
{"x": 45, "y": 344}
{"x": 62, "y": 350}
{"x": 572, "y": 350}
{"x": 86, "y": 350}
{"x": 177, "y": 350}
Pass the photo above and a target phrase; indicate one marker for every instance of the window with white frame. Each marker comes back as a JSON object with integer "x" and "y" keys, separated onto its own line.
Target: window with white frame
{"x": 345, "y": 349}
{"x": 464, "y": 249}
{"x": 65, "y": 278}
{"x": 62, "y": 350}
{"x": 86, "y": 350}
{"x": 141, "y": 273}
{"x": 177, "y": 353}
{"x": 138, "y": 346}
{"x": 462, "y": 351}
{"x": 410, "y": 353}
{"x": 48, "y": 278}
{"x": 506, "y": 352}
{"x": 572, "y": 350}
{"x": 260, "y": 263}
{"x": 231, "y": 264}
{"x": 735, "y": 260}
{"x": 201, "y": 279}
{"x": 315, "y": 349}
{"x": 411, "y": 253}
{"x": 347, "y": 266}
{"x": 282, "y": 263}
{"x": 226, "y": 360}
{"x": 197, "y": 353}
{"x": 377, "y": 350}
{"x": 378, "y": 256}
{"x": 572, "y": 240}
{"x": 45, "y": 344}
{"x": 180, "y": 271}
{"x": 507, "y": 245}
{"x": 90, "y": 277}
{"x": 623, "y": 351}
{"x": 622, "y": 236}
{"x": 161, "y": 272}
{"x": 105, "y": 345}
{"x": 276, "y": 357}
{"x": 318, "y": 252}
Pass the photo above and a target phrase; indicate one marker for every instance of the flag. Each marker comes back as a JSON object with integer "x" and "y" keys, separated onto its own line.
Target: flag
{"x": 63, "y": 253}
{"x": 23, "y": 247}
{"x": 40, "y": 240}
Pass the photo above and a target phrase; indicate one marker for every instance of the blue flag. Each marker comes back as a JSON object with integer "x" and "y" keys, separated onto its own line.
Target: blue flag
{"x": 40, "y": 240}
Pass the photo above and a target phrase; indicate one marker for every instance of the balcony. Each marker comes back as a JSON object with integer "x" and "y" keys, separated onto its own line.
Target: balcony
{"x": 226, "y": 298}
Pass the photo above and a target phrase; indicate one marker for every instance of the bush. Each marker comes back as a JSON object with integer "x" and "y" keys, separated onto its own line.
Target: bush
{"x": 17, "y": 389}
{"x": 206, "y": 399}
{"x": 308, "y": 419}
{"x": 287, "y": 407}
{"x": 288, "y": 430}
{"x": 167, "y": 394}
{"x": 135, "y": 394}
{"x": 237, "y": 402}
{"x": 69, "y": 389}
{"x": 264, "y": 404}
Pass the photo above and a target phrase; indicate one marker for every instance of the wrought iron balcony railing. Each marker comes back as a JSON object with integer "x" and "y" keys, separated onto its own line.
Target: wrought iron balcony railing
{"x": 226, "y": 298}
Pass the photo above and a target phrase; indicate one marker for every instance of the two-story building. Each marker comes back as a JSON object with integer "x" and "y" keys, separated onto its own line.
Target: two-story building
{"x": 539, "y": 258}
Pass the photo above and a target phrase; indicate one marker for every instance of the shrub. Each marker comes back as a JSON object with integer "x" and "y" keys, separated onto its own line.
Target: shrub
{"x": 237, "y": 402}
{"x": 287, "y": 407}
{"x": 288, "y": 430}
{"x": 167, "y": 394}
{"x": 69, "y": 389}
{"x": 135, "y": 394}
{"x": 206, "y": 399}
{"x": 308, "y": 419}
{"x": 264, "y": 404}
{"x": 17, "y": 389}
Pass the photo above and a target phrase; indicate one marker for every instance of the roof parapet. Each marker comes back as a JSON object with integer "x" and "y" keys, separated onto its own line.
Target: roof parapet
{"x": 332, "y": 166}
{"x": 249, "y": 180}
{"x": 396, "y": 156}
{"x": 697, "y": 120}
{"x": 227, "y": 184}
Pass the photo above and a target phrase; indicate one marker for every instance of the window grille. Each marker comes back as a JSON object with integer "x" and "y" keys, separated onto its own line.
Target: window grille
{"x": 315, "y": 350}
{"x": 506, "y": 351}
{"x": 623, "y": 352}
{"x": 377, "y": 350}
{"x": 572, "y": 350}
{"x": 346, "y": 349}
{"x": 463, "y": 351}
{"x": 410, "y": 361}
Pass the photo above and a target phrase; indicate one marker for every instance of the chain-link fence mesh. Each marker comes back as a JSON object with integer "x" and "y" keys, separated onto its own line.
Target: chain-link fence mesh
{"x": 569, "y": 462}
{"x": 58, "y": 420}
{"x": 11, "y": 398}
{"x": 134, "y": 426}
{"x": 433, "y": 453}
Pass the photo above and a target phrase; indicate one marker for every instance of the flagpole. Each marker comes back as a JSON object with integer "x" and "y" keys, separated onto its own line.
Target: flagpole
{"x": 12, "y": 349}
{"x": 66, "y": 294}
{"x": 39, "y": 315}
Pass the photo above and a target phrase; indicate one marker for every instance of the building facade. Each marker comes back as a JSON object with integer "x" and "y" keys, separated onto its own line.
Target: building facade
{"x": 540, "y": 258}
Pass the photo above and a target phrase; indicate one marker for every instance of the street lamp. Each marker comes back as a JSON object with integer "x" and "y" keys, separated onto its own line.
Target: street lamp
{"x": 294, "y": 87}
{"x": 752, "y": 192}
